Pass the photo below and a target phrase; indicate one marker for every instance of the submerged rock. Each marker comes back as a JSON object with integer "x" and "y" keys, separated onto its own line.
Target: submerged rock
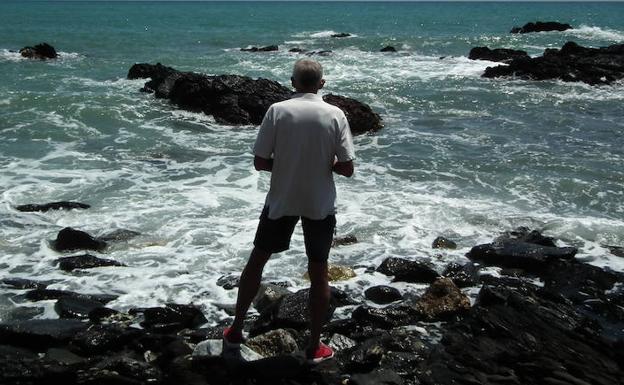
{"x": 119, "y": 235}
{"x": 388, "y": 48}
{"x": 343, "y": 241}
{"x": 63, "y": 205}
{"x": 85, "y": 261}
{"x": 268, "y": 48}
{"x": 572, "y": 63}
{"x": 45, "y": 294}
{"x": 341, "y": 34}
{"x": 541, "y": 26}
{"x": 236, "y": 100}
{"x": 405, "y": 270}
{"x": 71, "y": 239}
{"x": 228, "y": 282}
{"x": 525, "y": 234}
{"x": 41, "y": 51}
{"x": 498, "y": 54}
{"x": 22, "y": 283}
{"x": 443, "y": 243}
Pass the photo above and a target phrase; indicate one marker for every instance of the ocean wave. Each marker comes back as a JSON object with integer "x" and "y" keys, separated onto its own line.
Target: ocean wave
{"x": 596, "y": 33}
{"x": 318, "y": 34}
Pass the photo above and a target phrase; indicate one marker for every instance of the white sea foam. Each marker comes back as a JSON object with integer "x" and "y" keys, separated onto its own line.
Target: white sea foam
{"x": 318, "y": 34}
{"x": 596, "y": 33}
{"x": 15, "y": 56}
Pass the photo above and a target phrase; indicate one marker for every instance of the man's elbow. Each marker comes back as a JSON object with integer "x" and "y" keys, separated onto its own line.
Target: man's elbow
{"x": 344, "y": 168}
{"x": 262, "y": 164}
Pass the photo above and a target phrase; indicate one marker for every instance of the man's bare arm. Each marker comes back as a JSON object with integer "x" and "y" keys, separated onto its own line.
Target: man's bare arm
{"x": 262, "y": 164}
{"x": 343, "y": 168}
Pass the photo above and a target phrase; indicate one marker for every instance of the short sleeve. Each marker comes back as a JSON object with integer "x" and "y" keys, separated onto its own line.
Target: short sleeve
{"x": 344, "y": 143}
{"x": 265, "y": 141}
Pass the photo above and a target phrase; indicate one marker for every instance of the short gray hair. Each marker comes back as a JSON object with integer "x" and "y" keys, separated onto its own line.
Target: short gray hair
{"x": 307, "y": 72}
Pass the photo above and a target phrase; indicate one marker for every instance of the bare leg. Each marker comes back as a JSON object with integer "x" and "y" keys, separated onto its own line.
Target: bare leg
{"x": 319, "y": 300}
{"x": 249, "y": 284}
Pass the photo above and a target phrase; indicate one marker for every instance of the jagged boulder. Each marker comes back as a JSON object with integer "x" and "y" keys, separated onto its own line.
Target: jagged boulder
{"x": 41, "y": 51}
{"x": 71, "y": 239}
{"x": 405, "y": 270}
{"x": 268, "y": 48}
{"x": 571, "y": 63}
{"x": 465, "y": 275}
{"x": 541, "y": 26}
{"x": 498, "y": 54}
{"x": 388, "y": 48}
{"x": 382, "y": 294}
{"x": 236, "y": 100}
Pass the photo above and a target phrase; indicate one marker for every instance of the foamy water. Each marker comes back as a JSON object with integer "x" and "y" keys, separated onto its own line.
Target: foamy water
{"x": 459, "y": 156}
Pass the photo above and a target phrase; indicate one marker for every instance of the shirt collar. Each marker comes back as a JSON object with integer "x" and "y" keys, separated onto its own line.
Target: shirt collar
{"x": 308, "y": 95}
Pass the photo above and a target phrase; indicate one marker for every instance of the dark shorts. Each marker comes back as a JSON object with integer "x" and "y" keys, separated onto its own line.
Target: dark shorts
{"x": 273, "y": 235}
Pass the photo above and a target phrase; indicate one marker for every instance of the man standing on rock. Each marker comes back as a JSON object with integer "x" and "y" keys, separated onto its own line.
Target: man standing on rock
{"x": 301, "y": 142}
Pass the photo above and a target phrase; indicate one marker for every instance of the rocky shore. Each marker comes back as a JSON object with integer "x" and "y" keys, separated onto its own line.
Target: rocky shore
{"x": 571, "y": 63}
{"x": 547, "y": 318}
{"x": 237, "y": 100}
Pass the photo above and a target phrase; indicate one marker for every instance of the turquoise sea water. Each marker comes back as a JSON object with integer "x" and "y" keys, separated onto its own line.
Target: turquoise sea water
{"x": 459, "y": 156}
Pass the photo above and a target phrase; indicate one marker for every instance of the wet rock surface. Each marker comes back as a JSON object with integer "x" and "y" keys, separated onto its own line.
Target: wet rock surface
{"x": 571, "y": 63}
{"x": 63, "y": 205}
{"x": 497, "y": 54}
{"x": 237, "y": 100}
{"x": 388, "y": 48}
{"x": 41, "y": 51}
{"x": 405, "y": 270}
{"x": 443, "y": 243}
{"x": 267, "y": 48}
{"x": 560, "y": 321}
{"x": 383, "y": 294}
{"x": 541, "y": 26}
{"x": 69, "y": 239}
{"x": 85, "y": 261}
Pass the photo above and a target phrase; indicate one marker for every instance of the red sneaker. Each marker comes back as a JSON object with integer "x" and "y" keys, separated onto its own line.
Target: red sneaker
{"x": 322, "y": 353}
{"x": 232, "y": 339}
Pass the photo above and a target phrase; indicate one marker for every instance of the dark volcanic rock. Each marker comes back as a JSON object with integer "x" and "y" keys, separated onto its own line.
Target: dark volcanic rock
{"x": 85, "y": 261}
{"x": 382, "y": 294}
{"x": 21, "y": 283}
{"x": 71, "y": 239}
{"x": 45, "y": 294}
{"x": 291, "y": 311}
{"x": 98, "y": 339}
{"x": 343, "y": 241}
{"x": 361, "y": 117}
{"x": 442, "y": 300}
{"x": 540, "y": 26}
{"x": 341, "y": 34}
{"x": 462, "y": 275}
{"x": 268, "y": 48}
{"x": 572, "y": 63}
{"x": 268, "y": 295}
{"x": 323, "y": 52}
{"x": 145, "y": 70}
{"x": 618, "y": 251}
{"x": 228, "y": 282}
{"x": 578, "y": 281}
{"x": 40, "y": 51}
{"x": 443, "y": 243}
{"x": 518, "y": 254}
{"x": 297, "y": 50}
{"x": 387, "y": 317}
{"x": 172, "y": 317}
{"x": 525, "y": 234}
{"x": 75, "y": 307}
{"x": 234, "y": 99}
{"x": 52, "y": 206}
{"x": 388, "y": 48}
{"x": 40, "y": 334}
{"x": 376, "y": 377}
{"x": 524, "y": 337}
{"x": 498, "y": 54}
{"x": 405, "y": 270}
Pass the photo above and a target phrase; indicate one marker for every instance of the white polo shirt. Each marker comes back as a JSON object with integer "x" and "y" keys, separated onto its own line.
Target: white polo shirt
{"x": 303, "y": 135}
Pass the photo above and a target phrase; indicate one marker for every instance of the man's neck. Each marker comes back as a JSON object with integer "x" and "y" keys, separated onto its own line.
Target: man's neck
{"x": 301, "y": 91}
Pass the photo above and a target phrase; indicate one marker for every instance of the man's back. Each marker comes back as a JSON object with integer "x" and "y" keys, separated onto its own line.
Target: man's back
{"x": 304, "y": 135}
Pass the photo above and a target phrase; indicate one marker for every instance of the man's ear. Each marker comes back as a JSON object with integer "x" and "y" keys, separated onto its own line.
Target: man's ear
{"x": 321, "y": 83}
